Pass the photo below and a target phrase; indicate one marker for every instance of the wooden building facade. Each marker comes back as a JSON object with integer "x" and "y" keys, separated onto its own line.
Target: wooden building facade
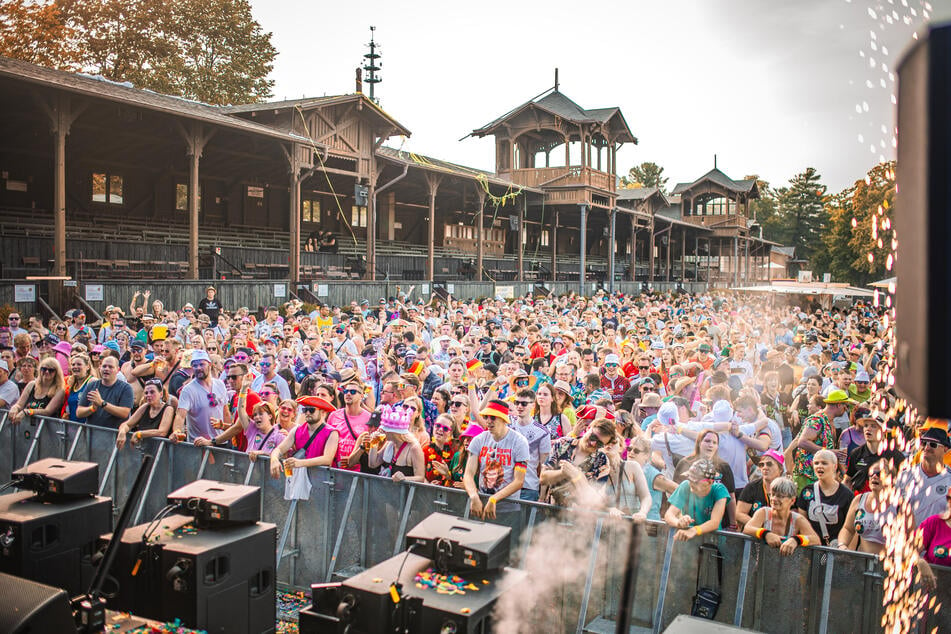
{"x": 103, "y": 180}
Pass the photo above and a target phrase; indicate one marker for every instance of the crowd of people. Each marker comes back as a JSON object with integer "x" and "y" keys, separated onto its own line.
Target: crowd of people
{"x": 704, "y": 412}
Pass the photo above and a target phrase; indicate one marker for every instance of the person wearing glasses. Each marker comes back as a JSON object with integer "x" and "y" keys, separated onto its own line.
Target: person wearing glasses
{"x": 106, "y": 401}
{"x": 578, "y": 469}
{"x": 350, "y": 421}
{"x": 756, "y": 494}
{"x": 926, "y": 483}
{"x": 523, "y": 421}
{"x": 13, "y": 323}
{"x": 268, "y": 374}
{"x": 440, "y": 452}
{"x": 310, "y": 444}
{"x": 201, "y": 402}
{"x": 777, "y": 524}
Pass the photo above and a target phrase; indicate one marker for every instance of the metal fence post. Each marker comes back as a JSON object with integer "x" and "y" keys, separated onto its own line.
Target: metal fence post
{"x": 589, "y": 580}
{"x": 343, "y": 528}
{"x": 662, "y": 587}
{"x": 741, "y": 585}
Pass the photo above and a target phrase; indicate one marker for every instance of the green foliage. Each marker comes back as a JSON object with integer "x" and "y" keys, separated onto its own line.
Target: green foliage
{"x": 647, "y": 174}
{"x": 802, "y": 205}
{"x": 859, "y": 224}
{"x": 208, "y": 50}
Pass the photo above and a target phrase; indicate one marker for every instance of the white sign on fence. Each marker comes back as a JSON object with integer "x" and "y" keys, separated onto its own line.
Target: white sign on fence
{"x": 322, "y": 290}
{"x": 24, "y": 292}
{"x": 424, "y": 289}
{"x": 280, "y": 290}
{"x": 93, "y": 292}
{"x": 451, "y": 289}
{"x": 505, "y": 292}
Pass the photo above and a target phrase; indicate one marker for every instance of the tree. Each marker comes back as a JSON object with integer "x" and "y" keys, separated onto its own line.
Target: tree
{"x": 209, "y": 50}
{"x": 225, "y": 56}
{"x": 859, "y": 226}
{"x": 39, "y": 33}
{"x": 804, "y": 211}
{"x": 647, "y": 174}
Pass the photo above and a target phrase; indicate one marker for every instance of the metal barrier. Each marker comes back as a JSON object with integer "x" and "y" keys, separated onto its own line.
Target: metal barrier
{"x": 353, "y": 521}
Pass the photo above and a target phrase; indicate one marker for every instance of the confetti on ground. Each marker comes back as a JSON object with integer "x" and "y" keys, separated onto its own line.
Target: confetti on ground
{"x": 443, "y": 584}
{"x": 290, "y": 603}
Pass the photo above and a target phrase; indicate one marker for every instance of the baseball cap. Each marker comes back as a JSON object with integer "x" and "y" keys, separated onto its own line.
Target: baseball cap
{"x": 612, "y": 359}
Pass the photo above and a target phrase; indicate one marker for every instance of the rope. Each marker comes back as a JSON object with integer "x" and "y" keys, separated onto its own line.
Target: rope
{"x": 326, "y": 176}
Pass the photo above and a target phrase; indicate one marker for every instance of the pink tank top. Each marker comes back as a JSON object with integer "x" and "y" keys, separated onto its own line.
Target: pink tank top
{"x": 316, "y": 448}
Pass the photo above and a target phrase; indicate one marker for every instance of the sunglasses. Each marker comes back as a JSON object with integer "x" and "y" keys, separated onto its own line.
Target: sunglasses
{"x": 287, "y": 410}
{"x": 233, "y": 377}
{"x": 49, "y": 370}
{"x": 931, "y": 443}
{"x": 411, "y": 408}
{"x": 597, "y": 441}
{"x": 242, "y": 358}
{"x": 350, "y": 392}
{"x": 442, "y": 428}
{"x": 647, "y": 388}
{"x": 212, "y": 349}
{"x": 308, "y": 410}
{"x": 13, "y": 319}
{"x": 457, "y": 404}
{"x": 264, "y": 364}
{"x": 521, "y": 382}
{"x": 212, "y": 400}
{"x": 522, "y": 403}
{"x": 611, "y": 365}
{"x": 266, "y": 393}
{"x": 61, "y": 328}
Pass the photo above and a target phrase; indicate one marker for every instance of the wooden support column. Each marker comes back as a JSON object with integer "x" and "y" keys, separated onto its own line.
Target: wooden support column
{"x": 480, "y": 232}
{"x": 746, "y": 265}
{"x": 297, "y": 171}
{"x": 670, "y": 243}
{"x": 650, "y": 254}
{"x": 633, "y": 248}
{"x": 554, "y": 246}
{"x": 372, "y": 223}
{"x": 196, "y": 138}
{"x": 583, "y": 247}
{"x": 391, "y": 216}
{"x": 61, "y": 112}
{"x": 612, "y": 247}
{"x": 521, "y": 237}
{"x": 683, "y": 256}
{"x": 736, "y": 261}
{"x": 433, "y": 181}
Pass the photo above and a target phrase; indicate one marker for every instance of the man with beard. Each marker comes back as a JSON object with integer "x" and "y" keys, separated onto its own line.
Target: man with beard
{"x": 201, "y": 401}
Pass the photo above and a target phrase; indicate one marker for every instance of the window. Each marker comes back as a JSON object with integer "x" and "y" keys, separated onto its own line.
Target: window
{"x": 310, "y": 210}
{"x": 545, "y": 238}
{"x": 106, "y": 188}
{"x": 181, "y": 197}
{"x": 358, "y": 216}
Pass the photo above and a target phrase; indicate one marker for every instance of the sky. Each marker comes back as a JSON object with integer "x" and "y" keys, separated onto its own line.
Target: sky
{"x": 768, "y": 86}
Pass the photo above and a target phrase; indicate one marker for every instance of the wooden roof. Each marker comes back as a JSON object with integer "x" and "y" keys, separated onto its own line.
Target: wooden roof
{"x": 746, "y": 186}
{"x": 100, "y": 88}
{"x": 307, "y": 103}
{"x": 557, "y": 104}
{"x": 429, "y": 163}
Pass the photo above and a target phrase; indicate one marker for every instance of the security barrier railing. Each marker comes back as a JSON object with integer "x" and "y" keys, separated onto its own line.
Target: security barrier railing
{"x": 353, "y": 521}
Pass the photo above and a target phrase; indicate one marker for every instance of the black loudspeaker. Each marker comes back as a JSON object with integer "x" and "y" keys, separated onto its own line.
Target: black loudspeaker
{"x": 923, "y": 294}
{"x": 52, "y": 543}
{"x": 460, "y": 545}
{"x": 29, "y": 607}
{"x": 220, "y": 580}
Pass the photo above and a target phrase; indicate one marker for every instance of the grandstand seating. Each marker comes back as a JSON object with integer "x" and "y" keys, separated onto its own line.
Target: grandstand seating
{"x": 117, "y": 247}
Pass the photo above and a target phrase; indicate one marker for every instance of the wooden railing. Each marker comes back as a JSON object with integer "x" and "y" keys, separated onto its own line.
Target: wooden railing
{"x": 563, "y": 176}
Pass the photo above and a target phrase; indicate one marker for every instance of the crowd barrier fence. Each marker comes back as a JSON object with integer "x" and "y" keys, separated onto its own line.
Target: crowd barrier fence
{"x": 353, "y": 521}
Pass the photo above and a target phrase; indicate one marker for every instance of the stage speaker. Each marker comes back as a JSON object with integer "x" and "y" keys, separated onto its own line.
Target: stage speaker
{"x": 923, "y": 294}
{"x": 29, "y": 607}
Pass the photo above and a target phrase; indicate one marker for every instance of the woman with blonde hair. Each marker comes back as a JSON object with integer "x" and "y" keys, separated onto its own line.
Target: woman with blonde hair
{"x": 287, "y": 414}
{"x": 80, "y": 372}
{"x": 417, "y": 422}
{"x": 43, "y": 396}
{"x": 400, "y": 457}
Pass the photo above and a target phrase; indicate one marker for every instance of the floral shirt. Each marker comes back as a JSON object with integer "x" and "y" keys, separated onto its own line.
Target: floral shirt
{"x": 592, "y": 467}
{"x": 825, "y": 438}
{"x": 432, "y": 454}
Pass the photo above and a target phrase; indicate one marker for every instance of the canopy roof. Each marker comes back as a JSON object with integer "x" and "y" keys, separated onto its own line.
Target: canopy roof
{"x": 746, "y": 186}
{"x": 815, "y": 288}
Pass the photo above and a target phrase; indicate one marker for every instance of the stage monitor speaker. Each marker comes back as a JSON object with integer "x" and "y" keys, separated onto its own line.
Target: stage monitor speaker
{"x": 55, "y": 477}
{"x": 52, "y": 543}
{"x": 211, "y": 502}
{"x": 460, "y": 545}
{"x": 29, "y": 607}
{"x": 922, "y": 222}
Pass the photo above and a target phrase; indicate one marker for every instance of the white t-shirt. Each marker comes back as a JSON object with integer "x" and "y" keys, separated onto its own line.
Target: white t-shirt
{"x": 927, "y": 495}
{"x": 201, "y": 405}
{"x": 539, "y": 444}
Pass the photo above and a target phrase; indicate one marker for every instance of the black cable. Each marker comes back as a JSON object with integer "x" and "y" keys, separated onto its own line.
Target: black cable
{"x": 399, "y": 573}
{"x": 156, "y": 521}
{"x": 8, "y": 485}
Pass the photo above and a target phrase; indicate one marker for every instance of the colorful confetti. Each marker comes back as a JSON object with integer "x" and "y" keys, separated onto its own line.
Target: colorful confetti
{"x": 444, "y": 584}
